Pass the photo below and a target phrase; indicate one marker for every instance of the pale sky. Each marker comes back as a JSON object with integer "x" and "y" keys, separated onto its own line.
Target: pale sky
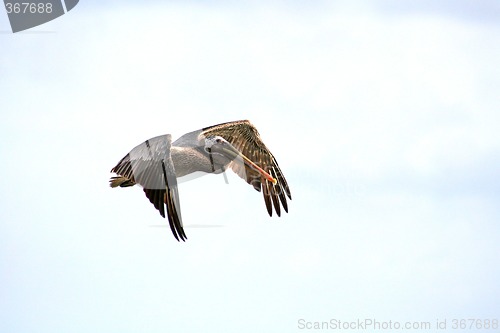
{"x": 383, "y": 117}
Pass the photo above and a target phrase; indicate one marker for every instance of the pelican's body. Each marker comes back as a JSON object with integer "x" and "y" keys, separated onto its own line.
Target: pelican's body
{"x": 157, "y": 163}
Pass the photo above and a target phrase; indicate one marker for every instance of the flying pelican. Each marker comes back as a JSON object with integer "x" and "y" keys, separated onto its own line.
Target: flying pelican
{"x": 157, "y": 163}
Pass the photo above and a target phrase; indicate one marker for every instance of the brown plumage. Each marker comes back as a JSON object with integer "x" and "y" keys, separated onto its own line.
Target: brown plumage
{"x": 157, "y": 163}
{"x": 245, "y": 137}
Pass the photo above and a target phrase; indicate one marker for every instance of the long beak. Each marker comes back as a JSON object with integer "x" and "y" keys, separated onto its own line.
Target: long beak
{"x": 251, "y": 164}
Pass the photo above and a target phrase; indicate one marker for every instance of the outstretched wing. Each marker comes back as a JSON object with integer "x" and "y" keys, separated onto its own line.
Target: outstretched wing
{"x": 245, "y": 137}
{"x": 150, "y": 165}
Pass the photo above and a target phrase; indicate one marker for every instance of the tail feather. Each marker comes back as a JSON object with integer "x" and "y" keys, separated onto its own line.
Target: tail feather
{"x": 120, "y": 181}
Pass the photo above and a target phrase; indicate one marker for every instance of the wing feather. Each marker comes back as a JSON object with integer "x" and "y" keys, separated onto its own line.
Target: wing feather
{"x": 150, "y": 165}
{"x": 245, "y": 137}
{"x": 267, "y": 199}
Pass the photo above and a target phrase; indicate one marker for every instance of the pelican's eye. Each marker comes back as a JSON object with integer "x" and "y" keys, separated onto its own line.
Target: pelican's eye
{"x": 218, "y": 140}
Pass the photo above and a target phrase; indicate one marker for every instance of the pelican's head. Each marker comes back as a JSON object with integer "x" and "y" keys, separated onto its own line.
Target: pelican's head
{"x": 220, "y": 148}
{"x": 214, "y": 140}
{"x": 224, "y": 152}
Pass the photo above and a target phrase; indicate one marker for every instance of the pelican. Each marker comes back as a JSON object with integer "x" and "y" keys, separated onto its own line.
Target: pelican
{"x": 157, "y": 163}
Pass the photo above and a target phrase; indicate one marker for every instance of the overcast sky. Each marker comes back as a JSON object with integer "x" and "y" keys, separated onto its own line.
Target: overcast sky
{"x": 383, "y": 116}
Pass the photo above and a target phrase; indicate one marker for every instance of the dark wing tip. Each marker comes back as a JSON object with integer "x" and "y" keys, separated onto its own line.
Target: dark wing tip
{"x": 156, "y": 198}
{"x": 243, "y": 135}
{"x": 267, "y": 197}
{"x": 171, "y": 199}
{"x": 174, "y": 220}
{"x": 159, "y": 199}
